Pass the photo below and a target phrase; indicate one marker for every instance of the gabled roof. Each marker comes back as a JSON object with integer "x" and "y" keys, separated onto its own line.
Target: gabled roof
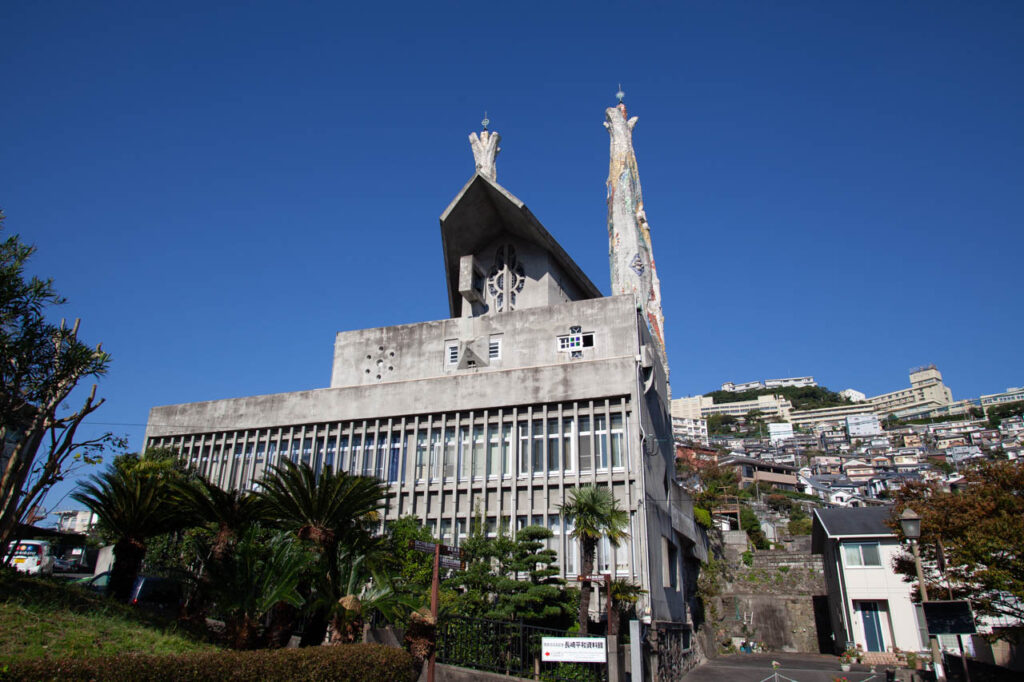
{"x": 849, "y": 522}
{"x": 478, "y": 215}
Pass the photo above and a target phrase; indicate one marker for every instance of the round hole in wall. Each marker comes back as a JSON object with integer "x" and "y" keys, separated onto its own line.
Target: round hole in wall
{"x": 367, "y": 371}
{"x": 391, "y": 354}
{"x": 378, "y": 377}
{"x": 367, "y": 357}
{"x": 391, "y": 368}
{"x": 380, "y": 347}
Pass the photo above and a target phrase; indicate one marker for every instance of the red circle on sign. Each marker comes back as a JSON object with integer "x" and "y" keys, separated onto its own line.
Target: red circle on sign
{"x": 547, "y": 653}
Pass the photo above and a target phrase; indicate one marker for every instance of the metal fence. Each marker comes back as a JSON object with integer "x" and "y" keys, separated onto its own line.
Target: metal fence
{"x": 509, "y": 648}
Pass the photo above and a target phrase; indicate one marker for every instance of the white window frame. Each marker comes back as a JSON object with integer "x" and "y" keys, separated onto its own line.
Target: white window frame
{"x": 860, "y": 554}
{"x": 573, "y": 342}
{"x": 494, "y": 348}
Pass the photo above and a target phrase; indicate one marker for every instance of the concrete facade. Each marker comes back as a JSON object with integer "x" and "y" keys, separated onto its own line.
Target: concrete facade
{"x": 535, "y": 385}
{"x": 702, "y": 407}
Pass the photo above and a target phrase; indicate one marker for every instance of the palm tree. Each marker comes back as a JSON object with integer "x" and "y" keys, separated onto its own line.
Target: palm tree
{"x": 232, "y": 511}
{"x": 364, "y": 587}
{"x": 259, "y": 574}
{"x": 623, "y": 593}
{"x": 133, "y": 506}
{"x": 327, "y": 509}
{"x": 596, "y": 513}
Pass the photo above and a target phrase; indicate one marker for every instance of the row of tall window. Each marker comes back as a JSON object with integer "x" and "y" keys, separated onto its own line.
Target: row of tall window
{"x": 447, "y": 447}
{"x": 608, "y": 559}
{"x": 543, "y": 446}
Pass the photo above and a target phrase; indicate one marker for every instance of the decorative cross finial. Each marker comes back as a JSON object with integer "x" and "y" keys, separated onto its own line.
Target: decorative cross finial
{"x": 486, "y": 122}
{"x": 620, "y": 94}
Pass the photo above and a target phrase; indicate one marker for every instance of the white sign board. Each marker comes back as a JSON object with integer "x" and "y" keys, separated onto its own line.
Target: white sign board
{"x": 574, "y": 649}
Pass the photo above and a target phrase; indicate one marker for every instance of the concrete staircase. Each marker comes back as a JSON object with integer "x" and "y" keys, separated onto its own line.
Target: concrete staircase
{"x": 879, "y": 658}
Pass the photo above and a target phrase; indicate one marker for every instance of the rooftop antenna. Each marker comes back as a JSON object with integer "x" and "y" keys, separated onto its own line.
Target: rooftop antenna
{"x": 620, "y": 94}
{"x": 486, "y": 122}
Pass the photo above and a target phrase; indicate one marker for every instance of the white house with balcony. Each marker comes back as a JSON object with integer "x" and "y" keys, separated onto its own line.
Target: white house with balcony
{"x": 869, "y": 603}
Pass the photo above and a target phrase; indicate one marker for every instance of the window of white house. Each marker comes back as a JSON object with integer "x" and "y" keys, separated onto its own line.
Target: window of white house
{"x": 494, "y": 348}
{"x": 861, "y": 554}
{"x": 451, "y": 353}
{"x": 571, "y": 342}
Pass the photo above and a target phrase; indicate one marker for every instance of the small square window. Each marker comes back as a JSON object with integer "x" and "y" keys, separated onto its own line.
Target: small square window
{"x": 574, "y": 342}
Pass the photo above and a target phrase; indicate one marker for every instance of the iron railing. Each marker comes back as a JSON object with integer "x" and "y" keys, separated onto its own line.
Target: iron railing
{"x": 510, "y": 648}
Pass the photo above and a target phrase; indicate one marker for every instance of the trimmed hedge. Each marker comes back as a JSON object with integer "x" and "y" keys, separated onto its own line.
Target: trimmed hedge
{"x": 355, "y": 662}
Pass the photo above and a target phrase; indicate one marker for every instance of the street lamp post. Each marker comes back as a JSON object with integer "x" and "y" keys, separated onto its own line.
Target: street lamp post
{"x": 910, "y": 522}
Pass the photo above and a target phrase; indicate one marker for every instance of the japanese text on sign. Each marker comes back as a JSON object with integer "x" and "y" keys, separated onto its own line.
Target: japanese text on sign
{"x": 574, "y": 649}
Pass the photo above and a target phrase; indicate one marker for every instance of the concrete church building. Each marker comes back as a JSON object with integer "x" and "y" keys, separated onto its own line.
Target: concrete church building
{"x": 535, "y": 385}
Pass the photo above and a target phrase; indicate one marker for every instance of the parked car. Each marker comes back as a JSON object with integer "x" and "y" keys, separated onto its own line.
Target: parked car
{"x": 155, "y": 592}
{"x": 148, "y": 591}
{"x": 62, "y": 565}
{"x": 31, "y": 556}
{"x": 96, "y": 583}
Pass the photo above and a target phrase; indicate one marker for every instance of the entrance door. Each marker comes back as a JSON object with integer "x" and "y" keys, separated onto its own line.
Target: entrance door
{"x": 872, "y": 626}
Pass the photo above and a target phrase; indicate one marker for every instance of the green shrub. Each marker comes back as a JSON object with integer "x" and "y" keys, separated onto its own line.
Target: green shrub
{"x": 355, "y": 662}
{"x": 748, "y": 558}
{"x": 702, "y": 516}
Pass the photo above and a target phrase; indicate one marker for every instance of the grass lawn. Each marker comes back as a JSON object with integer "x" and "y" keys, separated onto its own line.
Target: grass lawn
{"x": 46, "y": 617}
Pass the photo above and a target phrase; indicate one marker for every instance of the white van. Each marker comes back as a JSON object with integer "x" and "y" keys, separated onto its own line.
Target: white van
{"x": 31, "y": 556}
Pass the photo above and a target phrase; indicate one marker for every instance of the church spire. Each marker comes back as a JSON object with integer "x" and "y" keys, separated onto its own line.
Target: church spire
{"x": 485, "y": 150}
{"x": 629, "y": 236}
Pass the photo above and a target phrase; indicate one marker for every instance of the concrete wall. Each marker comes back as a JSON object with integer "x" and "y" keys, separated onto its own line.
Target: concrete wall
{"x": 531, "y": 370}
{"x": 777, "y": 601}
{"x": 546, "y": 282}
{"x": 529, "y": 337}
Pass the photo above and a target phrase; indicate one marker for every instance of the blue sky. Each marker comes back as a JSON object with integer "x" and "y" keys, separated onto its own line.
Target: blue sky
{"x": 217, "y": 188}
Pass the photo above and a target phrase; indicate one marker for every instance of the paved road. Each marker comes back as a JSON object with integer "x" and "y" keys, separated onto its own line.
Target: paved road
{"x": 798, "y": 667}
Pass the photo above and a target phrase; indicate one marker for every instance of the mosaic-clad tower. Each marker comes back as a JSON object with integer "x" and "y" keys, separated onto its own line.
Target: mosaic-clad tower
{"x": 629, "y": 236}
